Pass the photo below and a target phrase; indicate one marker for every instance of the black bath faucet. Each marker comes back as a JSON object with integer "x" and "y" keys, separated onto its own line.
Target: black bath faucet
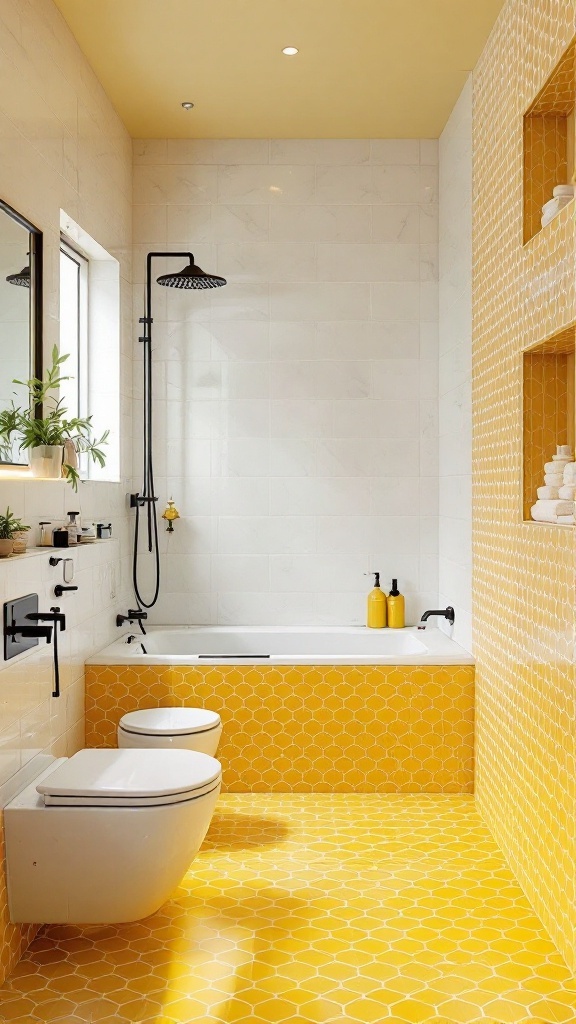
{"x": 444, "y": 613}
{"x": 132, "y": 616}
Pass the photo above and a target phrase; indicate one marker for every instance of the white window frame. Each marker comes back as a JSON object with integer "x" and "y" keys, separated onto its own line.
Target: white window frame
{"x": 82, "y": 382}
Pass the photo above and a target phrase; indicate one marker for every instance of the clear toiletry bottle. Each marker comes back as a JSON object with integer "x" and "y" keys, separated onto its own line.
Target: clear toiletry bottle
{"x": 46, "y": 534}
{"x": 395, "y": 607}
{"x": 74, "y": 530}
{"x": 376, "y": 610}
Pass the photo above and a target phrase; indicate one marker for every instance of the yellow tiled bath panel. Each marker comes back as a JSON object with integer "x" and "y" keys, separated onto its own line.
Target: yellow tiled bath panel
{"x": 312, "y": 729}
{"x": 524, "y": 573}
{"x": 306, "y": 909}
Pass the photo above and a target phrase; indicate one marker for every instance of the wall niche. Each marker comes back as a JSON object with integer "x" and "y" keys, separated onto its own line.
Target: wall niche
{"x": 549, "y": 141}
{"x": 549, "y": 407}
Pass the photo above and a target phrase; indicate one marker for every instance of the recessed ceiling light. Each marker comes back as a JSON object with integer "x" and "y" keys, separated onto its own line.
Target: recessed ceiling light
{"x": 187, "y": 105}
{"x": 290, "y": 51}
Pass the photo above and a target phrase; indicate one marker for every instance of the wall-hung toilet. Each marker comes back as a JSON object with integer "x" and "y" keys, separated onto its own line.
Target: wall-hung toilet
{"x": 184, "y": 728}
{"x": 105, "y": 836}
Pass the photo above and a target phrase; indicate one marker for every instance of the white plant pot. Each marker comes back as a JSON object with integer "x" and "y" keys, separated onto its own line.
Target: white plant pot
{"x": 46, "y": 461}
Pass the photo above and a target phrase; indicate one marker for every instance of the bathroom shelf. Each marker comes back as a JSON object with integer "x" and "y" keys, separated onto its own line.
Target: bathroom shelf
{"x": 548, "y": 373}
{"x": 549, "y": 140}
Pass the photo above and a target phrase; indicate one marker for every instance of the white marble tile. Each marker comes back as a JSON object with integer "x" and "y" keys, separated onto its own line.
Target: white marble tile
{"x": 265, "y": 184}
{"x": 299, "y": 418}
{"x": 320, "y": 301}
{"x": 320, "y": 223}
{"x": 398, "y": 300}
{"x": 319, "y": 151}
{"x": 397, "y": 183}
{"x": 240, "y": 223}
{"x": 395, "y": 151}
{"x": 239, "y": 572}
{"x": 369, "y": 262}
{"x": 396, "y": 222}
{"x": 174, "y": 185}
{"x": 267, "y": 261}
{"x": 344, "y": 185}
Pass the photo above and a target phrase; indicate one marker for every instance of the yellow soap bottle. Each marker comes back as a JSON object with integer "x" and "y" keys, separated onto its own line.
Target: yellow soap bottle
{"x": 376, "y": 614}
{"x": 395, "y": 607}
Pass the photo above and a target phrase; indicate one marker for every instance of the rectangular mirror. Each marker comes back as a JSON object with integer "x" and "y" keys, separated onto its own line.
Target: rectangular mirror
{"x": 20, "y": 314}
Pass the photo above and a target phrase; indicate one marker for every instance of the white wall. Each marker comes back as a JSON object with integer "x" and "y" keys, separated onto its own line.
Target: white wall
{"x": 61, "y": 147}
{"x": 455, "y": 367}
{"x": 296, "y": 408}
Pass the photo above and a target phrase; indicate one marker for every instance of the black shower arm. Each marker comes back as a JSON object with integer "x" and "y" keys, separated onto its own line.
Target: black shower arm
{"x": 147, "y": 320}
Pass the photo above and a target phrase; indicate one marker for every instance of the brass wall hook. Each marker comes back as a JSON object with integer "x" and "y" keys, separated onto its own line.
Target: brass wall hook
{"x": 170, "y": 513}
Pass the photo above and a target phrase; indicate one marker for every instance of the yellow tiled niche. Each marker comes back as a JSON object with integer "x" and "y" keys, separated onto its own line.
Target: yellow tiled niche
{"x": 312, "y": 729}
{"x": 549, "y": 141}
{"x": 548, "y": 374}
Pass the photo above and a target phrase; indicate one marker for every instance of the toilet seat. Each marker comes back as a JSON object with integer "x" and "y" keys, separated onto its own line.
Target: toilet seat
{"x": 130, "y": 778}
{"x": 170, "y": 721}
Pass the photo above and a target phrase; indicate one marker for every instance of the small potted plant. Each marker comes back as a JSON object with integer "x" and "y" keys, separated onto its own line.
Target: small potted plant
{"x": 52, "y": 440}
{"x": 10, "y": 526}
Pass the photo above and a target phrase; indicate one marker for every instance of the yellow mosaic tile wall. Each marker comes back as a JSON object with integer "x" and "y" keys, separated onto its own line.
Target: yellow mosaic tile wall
{"x": 524, "y": 574}
{"x": 312, "y": 729}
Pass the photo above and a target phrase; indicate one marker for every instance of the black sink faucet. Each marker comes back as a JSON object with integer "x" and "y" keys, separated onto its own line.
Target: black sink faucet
{"x": 444, "y": 613}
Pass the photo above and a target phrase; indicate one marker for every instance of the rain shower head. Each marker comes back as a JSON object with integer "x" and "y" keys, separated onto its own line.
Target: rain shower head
{"x": 191, "y": 277}
{"x": 22, "y": 279}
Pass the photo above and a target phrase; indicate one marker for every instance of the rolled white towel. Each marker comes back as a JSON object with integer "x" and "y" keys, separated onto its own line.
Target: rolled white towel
{"x": 553, "y": 205}
{"x": 555, "y": 508}
{"x": 553, "y": 479}
{"x": 557, "y": 466}
{"x": 563, "y": 190}
{"x": 549, "y": 493}
{"x": 569, "y": 474}
{"x": 540, "y": 516}
{"x": 566, "y": 520}
{"x": 563, "y": 451}
{"x": 567, "y": 492}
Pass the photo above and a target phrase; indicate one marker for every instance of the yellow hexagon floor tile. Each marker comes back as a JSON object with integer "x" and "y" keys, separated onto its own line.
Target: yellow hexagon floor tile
{"x": 315, "y": 909}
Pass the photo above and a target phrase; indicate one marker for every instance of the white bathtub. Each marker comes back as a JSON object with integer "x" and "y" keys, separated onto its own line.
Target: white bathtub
{"x": 241, "y": 645}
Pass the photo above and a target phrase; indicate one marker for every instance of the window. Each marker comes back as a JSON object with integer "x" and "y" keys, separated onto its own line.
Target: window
{"x": 74, "y": 329}
{"x": 90, "y": 336}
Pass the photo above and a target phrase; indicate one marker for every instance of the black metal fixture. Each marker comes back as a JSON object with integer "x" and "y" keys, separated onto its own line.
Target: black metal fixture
{"x": 22, "y": 278}
{"x": 190, "y": 277}
{"x": 444, "y": 613}
{"x": 19, "y": 636}
{"x": 134, "y": 615}
{"x": 59, "y": 589}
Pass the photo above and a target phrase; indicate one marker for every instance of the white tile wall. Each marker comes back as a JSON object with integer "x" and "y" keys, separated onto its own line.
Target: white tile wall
{"x": 455, "y": 367}
{"x": 62, "y": 146}
{"x": 296, "y": 409}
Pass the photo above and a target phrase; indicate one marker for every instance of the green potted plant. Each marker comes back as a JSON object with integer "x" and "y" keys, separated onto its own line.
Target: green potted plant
{"x": 9, "y": 527}
{"x": 52, "y": 440}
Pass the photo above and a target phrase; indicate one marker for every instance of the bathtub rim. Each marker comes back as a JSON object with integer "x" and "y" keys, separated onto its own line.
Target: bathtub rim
{"x": 441, "y": 650}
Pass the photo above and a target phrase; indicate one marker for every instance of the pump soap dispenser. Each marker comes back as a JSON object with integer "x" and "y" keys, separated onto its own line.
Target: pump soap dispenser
{"x": 395, "y": 607}
{"x": 376, "y": 613}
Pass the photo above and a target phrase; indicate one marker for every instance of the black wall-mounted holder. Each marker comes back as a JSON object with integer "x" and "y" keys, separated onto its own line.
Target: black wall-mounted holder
{"x": 15, "y": 614}
{"x": 22, "y": 630}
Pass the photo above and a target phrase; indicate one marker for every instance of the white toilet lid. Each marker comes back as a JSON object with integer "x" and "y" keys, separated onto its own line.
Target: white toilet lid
{"x": 130, "y": 778}
{"x": 169, "y": 721}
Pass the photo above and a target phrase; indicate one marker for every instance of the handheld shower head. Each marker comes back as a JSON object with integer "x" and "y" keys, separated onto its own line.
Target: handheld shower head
{"x": 191, "y": 277}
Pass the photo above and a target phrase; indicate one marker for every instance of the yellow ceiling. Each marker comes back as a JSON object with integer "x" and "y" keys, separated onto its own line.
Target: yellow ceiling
{"x": 366, "y": 68}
